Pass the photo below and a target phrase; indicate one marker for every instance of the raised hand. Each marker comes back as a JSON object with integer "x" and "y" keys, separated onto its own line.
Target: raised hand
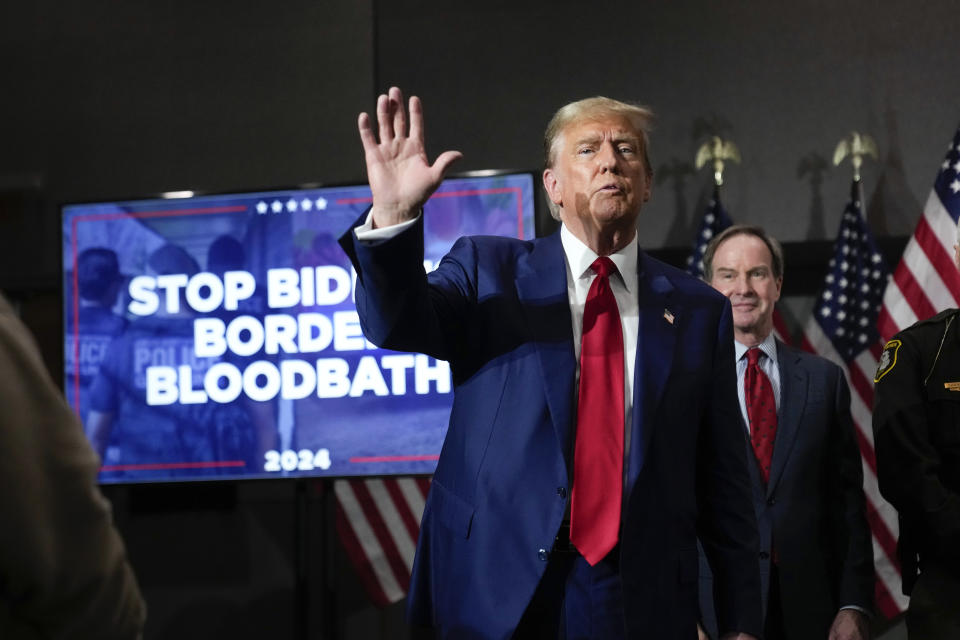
{"x": 401, "y": 178}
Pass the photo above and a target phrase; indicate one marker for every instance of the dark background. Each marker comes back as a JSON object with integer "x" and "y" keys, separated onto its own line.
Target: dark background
{"x": 108, "y": 99}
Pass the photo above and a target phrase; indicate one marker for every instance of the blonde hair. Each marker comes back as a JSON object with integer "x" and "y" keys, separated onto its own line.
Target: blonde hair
{"x": 596, "y": 108}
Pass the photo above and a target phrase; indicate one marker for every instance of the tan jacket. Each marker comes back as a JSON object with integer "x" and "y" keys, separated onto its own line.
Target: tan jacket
{"x": 63, "y": 567}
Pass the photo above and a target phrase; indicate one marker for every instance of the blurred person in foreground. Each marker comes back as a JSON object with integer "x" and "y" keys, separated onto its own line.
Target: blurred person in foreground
{"x": 63, "y": 567}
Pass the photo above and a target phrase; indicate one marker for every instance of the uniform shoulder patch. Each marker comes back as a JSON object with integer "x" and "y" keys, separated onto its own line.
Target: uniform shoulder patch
{"x": 888, "y": 359}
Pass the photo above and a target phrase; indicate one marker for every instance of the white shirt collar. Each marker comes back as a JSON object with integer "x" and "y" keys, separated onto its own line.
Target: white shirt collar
{"x": 768, "y": 346}
{"x": 580, "y": 257}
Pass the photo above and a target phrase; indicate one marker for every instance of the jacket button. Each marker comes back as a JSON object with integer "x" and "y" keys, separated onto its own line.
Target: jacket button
{"x": 543, "y": 555}
{"x": 771, "y": 501}
{"x": 562, "y": 492}
{"x": 764, "y": 555}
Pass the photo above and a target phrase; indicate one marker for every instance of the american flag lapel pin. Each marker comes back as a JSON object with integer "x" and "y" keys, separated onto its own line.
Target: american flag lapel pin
{"x": 668, "y": 316}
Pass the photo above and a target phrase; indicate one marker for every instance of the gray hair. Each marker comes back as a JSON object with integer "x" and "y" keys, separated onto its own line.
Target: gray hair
{"x": 596, "y": 108}
{"x": 776, "y": 251}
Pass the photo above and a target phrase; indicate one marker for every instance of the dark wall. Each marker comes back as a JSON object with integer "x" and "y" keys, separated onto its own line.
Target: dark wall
{"x": 108, "y": 99}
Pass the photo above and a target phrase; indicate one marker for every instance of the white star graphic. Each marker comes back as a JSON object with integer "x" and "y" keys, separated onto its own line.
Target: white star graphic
{"x": 841, "y": 315}
{"x": 946, "y": 163}
{"x": 956, "y": 167}
{"x": 825, "y": 312}
{"x": 876, "y": 258}
{"x": 955, "y": 185}
{"x": 277, "y": 206}
{"x": 862, "y": 338}
{"x": 291, "y": 205}
{"x": 843, "y": 299}
{"x": 261, "y": 207}
{"x": 321, "y": 204}
{"x": 840, "y": 331}
{"x": 707, "y": 233}
{"x": 709, "y": 217}
{"x": 827, "y": 295}
{"x": 306, "y": 204}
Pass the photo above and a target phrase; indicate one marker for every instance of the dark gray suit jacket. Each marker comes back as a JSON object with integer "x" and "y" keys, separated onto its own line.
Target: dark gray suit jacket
{"x": 811, "y": 516}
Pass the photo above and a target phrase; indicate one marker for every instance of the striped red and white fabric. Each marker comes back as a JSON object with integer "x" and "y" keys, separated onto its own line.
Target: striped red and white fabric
{"x": 378, "y": 521}
{"x": 925, "y": 282}
{"x": 843, "y": 329}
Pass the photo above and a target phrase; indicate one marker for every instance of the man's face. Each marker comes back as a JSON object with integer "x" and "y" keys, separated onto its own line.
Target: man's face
{"x": 598, "y": 177}
{"x": 743, "y": 271}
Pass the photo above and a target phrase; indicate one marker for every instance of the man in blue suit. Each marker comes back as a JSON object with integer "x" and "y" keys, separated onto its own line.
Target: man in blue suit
{"x": 504, "y": 548}
{"x": 816, "y": 558}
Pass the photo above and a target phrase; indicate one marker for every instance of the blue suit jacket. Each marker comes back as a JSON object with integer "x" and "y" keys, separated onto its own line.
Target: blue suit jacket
{"x": 813, "y": 510}
{"x": 497, "y": 310}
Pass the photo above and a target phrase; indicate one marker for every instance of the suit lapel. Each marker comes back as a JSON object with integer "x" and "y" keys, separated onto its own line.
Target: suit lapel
{"x": 542, "y": 290}
{"x": 793, "y": 392}
{"x": 656, "y": 339}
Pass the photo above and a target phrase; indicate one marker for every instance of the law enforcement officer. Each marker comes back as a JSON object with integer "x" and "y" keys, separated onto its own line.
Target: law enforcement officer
{"x": 916, "y": 425}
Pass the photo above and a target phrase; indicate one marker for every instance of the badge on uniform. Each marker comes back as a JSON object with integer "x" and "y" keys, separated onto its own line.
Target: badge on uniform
{"x": 951, "y": 386}
{"x": 888, "y": 359}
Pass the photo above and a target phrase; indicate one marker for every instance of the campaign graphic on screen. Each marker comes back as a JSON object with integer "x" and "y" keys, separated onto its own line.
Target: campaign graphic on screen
{"x": 216, "y": 337}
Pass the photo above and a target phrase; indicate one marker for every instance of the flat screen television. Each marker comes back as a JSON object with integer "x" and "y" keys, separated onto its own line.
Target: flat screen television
{"x": 215, "y": 336}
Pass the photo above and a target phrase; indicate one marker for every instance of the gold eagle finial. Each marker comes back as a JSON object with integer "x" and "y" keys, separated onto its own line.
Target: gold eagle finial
{"x": 717, "y": 150}
{"x": 856, "y": 145}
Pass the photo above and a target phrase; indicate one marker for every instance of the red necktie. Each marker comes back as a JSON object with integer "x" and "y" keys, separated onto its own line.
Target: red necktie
{"x": 598, "y": 454}
{"x": 761, "y": 411}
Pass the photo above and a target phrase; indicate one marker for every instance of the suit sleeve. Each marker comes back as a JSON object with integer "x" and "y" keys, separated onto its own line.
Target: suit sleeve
{"x": 853, "y": 545}
{"x": 63, "y": 567}
{"x": 399, "y": 307}
{"x": 727, "y": 525}
{"x": 908, "y": 462}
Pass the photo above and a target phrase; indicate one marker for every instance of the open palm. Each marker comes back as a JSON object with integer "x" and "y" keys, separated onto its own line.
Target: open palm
{"x": 401, "y": 177}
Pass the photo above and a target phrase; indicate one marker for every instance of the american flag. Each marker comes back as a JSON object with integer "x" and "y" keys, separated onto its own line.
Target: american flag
{"x": 378, "y": 521}
{"x": 843, "y": 329}
{"x": 926, "y": 280}
{"x": 715, "y": 219}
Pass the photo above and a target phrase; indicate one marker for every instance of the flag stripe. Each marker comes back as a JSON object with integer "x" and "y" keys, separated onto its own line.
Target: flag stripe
{"x": 913, "y": 293}
{"x": 894, "y": 313}
{"x": 365, "y": 492}
{"x": 409, "y": 524}
{"x": 358, "y": 557}
{"x": 378, "y": 521}
{"x": 944, "y": 280}
{"x": 368, "y": 540}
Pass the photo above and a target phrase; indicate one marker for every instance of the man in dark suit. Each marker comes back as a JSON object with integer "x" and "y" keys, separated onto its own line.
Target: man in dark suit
{"x": 502, "y": 551}
{"x": 816, "y": 559}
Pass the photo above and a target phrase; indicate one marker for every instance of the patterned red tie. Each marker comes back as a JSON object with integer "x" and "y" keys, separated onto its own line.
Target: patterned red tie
{"x": 761, "y": 411}
{"x": 598, "y": 454}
